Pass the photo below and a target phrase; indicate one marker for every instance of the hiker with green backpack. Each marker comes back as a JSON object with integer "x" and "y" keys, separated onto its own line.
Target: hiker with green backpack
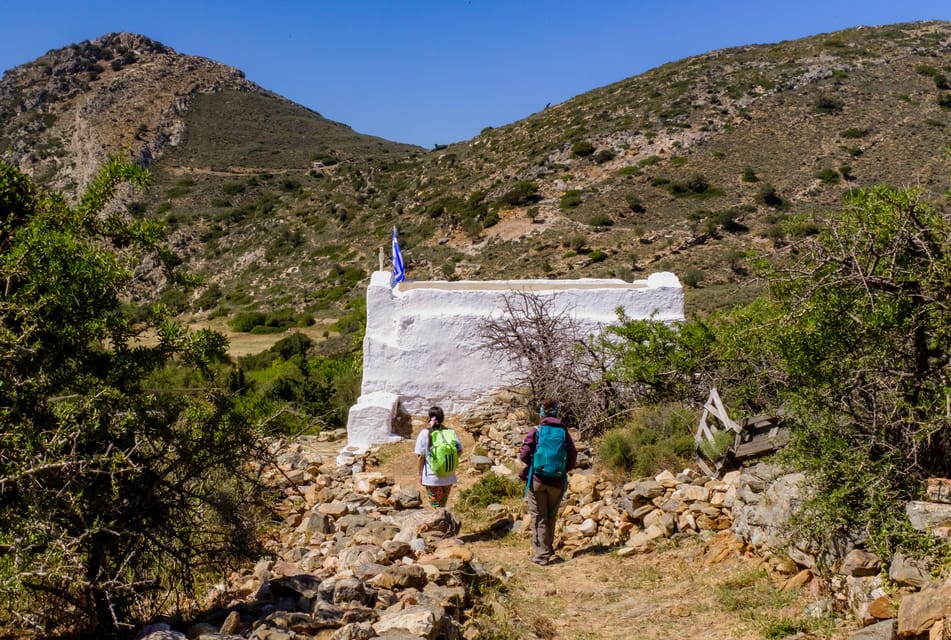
{"x": 438, "y": 449}
{"x": 549, "y": 454}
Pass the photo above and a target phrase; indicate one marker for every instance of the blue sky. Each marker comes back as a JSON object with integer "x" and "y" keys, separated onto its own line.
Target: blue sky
{"x": 438, "y": 71}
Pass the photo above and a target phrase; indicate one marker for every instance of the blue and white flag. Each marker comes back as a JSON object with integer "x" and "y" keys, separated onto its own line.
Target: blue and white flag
{"x": 399, "y": 273}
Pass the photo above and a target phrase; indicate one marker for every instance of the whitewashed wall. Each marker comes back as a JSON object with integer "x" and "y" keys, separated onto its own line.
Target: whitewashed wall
{"x": 422, "y": 340}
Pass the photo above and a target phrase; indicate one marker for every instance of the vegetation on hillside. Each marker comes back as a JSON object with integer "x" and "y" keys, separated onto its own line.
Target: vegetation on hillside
{"x": 687, "y": 168}
{"x": 126, "y": 471}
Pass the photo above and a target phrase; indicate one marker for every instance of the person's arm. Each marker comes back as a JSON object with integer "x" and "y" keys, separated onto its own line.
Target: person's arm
{"x": 421, "y": 442}
{"x": 528, "y": 446}
{"x": 572, "y": 451}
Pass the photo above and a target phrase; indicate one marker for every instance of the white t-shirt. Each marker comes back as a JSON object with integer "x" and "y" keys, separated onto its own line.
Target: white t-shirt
{"x": 430, "y": 479}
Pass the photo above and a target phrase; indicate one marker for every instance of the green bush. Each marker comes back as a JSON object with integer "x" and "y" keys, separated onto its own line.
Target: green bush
{"x": 854, "y": 132}
{"x": 600, "y": 220}
{"x": 524, "y": 192}
{"x": 490, "y": 489}
{"x": 597, "y": 256}
{"x": 175, "y": 299}
{"x": 657, "y": 437}
{"x": 582, "y": 149}
{"x": 828, "y": 176}
{"x": 692, "y": 277}
{"x": 616, "y": 450}
{"x": 570, "y": 199}
{"x": 749, "y": 175}
{"x": 696, "y": 185}
{"x": 604, "y": 155}
{"x": 634, "y": 203}
{"x": 828, "y": 104}
{"x": 576, "y": 241}
{"x": 768, "y": 196}
{"x": 245, "y": 321}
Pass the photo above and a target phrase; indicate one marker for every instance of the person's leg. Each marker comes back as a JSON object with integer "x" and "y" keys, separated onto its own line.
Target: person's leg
{"x": 443, "y": 495}
{"x": 553, "y": 500}
{"x": 538, "y": 508}
{"x": 438, "y": 496}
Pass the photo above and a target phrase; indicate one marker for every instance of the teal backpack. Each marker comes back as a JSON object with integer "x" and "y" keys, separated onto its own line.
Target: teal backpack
{"x": 550, "y": 460}
{"x": 443, "y": 453}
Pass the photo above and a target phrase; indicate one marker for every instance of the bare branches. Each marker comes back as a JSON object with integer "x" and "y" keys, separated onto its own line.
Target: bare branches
{"x": 553, "y": 358}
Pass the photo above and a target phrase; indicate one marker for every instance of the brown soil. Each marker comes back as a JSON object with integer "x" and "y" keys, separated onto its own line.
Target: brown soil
{"x": 685, "y": 589}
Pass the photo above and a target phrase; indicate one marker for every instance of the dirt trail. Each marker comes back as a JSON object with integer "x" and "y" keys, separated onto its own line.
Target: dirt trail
{"x": 687, "y": 590}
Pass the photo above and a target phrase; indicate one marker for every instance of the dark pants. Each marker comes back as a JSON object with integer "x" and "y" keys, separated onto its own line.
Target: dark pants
{"x": 543, "y": 501}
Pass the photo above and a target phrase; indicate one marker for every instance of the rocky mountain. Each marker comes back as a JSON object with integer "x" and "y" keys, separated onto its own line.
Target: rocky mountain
{"x": 686, "y": 167}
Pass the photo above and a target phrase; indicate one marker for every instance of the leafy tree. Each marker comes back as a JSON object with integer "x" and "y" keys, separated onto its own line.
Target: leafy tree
{"x": 863, "y": 352}
{"x": 114, "y": 488}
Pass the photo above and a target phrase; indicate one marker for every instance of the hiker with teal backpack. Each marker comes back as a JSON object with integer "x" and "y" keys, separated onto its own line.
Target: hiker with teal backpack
{"x": 549, "y": 454}
{"x": 438, "y": 449}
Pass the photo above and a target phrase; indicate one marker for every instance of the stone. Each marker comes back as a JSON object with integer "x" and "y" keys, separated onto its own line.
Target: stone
{"x": 938, "y": 490}
{"x": 407, "y": 498}
{"x": 926, "y": 516}
{"x": 666, "y": 479}
{"x": 333, "y": 509}
{"x": 481, "y": 463}
{"x": 419, "y": 620}
{"x": 581, "y": 484}
{"x": 885, "y": 630}
{"x": 354, "y": 631}
{"x": 401, "y": 577}
{"x": 164, "y": 634}
{"x": 294, "y": 586}
{"x": 315, "y": 523}
{"x": 368, "y": 481}
{"x": 918, "y": 612}
{"x": 351, "y": 590}
{"x": 905, "y": 570}
{"x": 453, "y": 549}
{"x": 860, "y": 563}
{"x": 799, "y": 580}
{"x": 692, "y": 493}
{"x": 882, "y": 608}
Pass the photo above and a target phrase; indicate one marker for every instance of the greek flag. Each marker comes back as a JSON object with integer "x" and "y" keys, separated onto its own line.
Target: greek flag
{"x": 399, "y": 273}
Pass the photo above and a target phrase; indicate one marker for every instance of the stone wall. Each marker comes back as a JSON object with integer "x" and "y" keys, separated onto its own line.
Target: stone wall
{"x": 422, "y": 344}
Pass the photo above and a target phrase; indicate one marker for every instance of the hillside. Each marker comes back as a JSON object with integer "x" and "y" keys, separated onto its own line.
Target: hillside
{"x": 686, "y": 167}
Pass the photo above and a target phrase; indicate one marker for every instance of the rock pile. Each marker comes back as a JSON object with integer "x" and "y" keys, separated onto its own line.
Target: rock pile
{"x": 355, "y": 557}
{"x": 358, "y": 556}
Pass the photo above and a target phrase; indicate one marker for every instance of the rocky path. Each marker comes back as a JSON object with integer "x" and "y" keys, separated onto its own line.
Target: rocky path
{"x": 687, "y": 588}
{"x": 357, "y": 556}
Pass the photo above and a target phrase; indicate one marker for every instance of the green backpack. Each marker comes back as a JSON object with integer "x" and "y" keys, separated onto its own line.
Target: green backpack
{"x": 443, "y": 454}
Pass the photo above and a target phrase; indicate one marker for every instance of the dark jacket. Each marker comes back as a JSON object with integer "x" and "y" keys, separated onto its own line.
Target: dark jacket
{"x": 527, "y": 450}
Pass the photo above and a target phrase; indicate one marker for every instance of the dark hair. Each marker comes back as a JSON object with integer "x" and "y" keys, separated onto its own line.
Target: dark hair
{"x": 550, "y": 409}
{"x": 436, "y": 412}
